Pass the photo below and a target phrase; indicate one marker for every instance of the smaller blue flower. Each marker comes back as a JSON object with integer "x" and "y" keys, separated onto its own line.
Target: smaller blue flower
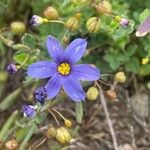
{"x": 29, "y": 111}
{"x": 12, "y": 69}
{"x": 36, "y": 20}
{"x": 40, "y": 94}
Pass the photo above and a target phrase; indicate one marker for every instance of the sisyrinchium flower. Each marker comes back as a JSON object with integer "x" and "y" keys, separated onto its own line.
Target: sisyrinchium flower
{"x": 40, "y": 94}
{"x": 29, "y": 111}
{"x": 63, "y": 70}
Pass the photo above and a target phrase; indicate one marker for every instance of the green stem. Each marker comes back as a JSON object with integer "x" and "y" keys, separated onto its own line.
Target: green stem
{"x": 7, "y": 125}
{"x": 27, "y": 138}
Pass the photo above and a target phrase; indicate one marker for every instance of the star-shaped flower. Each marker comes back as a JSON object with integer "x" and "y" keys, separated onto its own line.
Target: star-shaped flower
{"x": 62, "y": 71}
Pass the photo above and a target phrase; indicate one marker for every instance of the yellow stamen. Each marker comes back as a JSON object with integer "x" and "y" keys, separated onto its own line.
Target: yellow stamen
{"x": 64, "y": 68}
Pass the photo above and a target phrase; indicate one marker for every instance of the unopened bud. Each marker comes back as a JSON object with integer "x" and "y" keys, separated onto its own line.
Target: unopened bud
{"x": 124, "y": 22}
{"x": 120, "y": 77}
{"x": 12, "y": 68}
{"x": 92, "y": 93}
{"x": 18, "y": 27}
{"x": 11, "y": 145}
{"x": 72, "y": 23}
{"x": 51, "y": 13}
{"x": 93, "y": 24}
{"x": 51, "y": 132}
{"x": 68, "y": 123}
{"x": 145, "y": 60}
{"x": 37, "y": 20}
{"x": 63, "y": 135}
{"x": 104, "y": 7}
{"x": 111, "y": 94}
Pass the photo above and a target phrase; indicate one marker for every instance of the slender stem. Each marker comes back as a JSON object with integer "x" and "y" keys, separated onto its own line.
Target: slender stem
{"x": 58, "y": 113}
{"x": 38, "y": 145}
{"x": 54, "y": 116}
{"x": 104, "y": 104}
{"x": 57, "y": 21}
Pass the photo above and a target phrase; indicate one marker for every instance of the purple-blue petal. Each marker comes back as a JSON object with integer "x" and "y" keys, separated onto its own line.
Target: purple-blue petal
{"x": 74, "y": 89}
{"x": 53, "y": 86}
{"x": 75, "y": 50}
{"x": 144, "y": 28}
{"x": 55, "y": 49}
{"x": 42, "y": 69}
{"x": 85, "y": 72}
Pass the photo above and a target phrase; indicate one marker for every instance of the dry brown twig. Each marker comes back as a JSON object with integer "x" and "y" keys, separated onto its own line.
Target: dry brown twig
{"x": 104, "y": 104}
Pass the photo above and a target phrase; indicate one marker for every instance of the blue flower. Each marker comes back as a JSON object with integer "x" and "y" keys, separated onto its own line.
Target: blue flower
{"x": 11, "y": 68}
{"x": 62, "y": 71}
{"x": 36, "y": 20}
{"x": 40, "y": 94}
{"x": 29, "y": 110}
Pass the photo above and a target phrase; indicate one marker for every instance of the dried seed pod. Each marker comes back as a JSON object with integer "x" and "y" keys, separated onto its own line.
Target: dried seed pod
{"x": 51, "y": 13}
{"x": 18, "y": 27}
{"x": 11, "y": 145}
{"x": 103, "y": 7}
{"x": 93, "y": 25}
{"x": 63, "y": 135}
{"x": 68, "y": 123}
{"x": 92, "y": 93}
{"x": 73, "y": 23}
{"x": 51, "y": 132}
{"x": 111, "y": 94}
{"x": 120, "y": 77}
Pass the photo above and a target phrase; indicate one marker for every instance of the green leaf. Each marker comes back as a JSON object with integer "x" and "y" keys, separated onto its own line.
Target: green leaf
{"x": 21, "y": 133}
{"x": 132, "y": 65}
{"x": 24, "y": 58}
{"x": 8, "y": 124}
{"x": 28, "y": 40}
{"x": 79, "y": 112}
{"x": 144, "y": 15}
{"x": 10, "y": 99}
{"x": 145, "y": 70}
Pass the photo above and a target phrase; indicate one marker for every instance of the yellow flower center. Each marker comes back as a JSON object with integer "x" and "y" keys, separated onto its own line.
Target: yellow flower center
{"x": 64, "y": 68}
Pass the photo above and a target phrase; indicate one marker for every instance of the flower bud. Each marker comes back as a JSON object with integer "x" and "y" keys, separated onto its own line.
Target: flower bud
{"x": 36, "y": 20}
{"x": 18, "y": 27}
{"x": 68, "y": 123}
{"x": 40, "y": 94}
{"x": 122, "y": 21}
{"x": 92, "y": 93}
{"x": 12, "y": 68}
{"x": 103, "y": 7}
{"x": 145, "y": 61}
{"x": 72, "y": 23}
{"x": 111, "y": 94}
{"x": 11, "y": 145}
{"x": 51, "y": 13}
{"x": 29, "y": 111}
{"x": 63, "y": 135}
{"x": 51, "y": 132}
{"x": 93, "y": 25}
{"x": 120, "y": 77}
